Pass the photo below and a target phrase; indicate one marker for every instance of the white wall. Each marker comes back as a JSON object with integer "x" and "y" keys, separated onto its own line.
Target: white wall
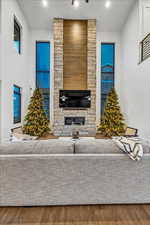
{"x": 14, "y": 67}
{"x": 108, "y": 37}
{"x": 135, "y": 85}
{"x": 0, "y": 34}
{"x": 0, "y": 60}
{"x": 131, "y": 79}
{"x": 18, "y": 69}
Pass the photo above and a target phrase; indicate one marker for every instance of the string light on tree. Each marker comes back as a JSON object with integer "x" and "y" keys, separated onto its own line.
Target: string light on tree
{"x": 36, "y": 122}
{"x": 112, "y": 122}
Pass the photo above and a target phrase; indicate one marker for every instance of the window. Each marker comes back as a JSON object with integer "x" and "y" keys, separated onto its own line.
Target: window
{"x": 145, "y": 18}
{"x": 43, "y": 72}
{"x": 17, "y": 36}
{"x": 17, "y": 104}
{"x": 145, "y": 48}
{"x": 107, "y": 71}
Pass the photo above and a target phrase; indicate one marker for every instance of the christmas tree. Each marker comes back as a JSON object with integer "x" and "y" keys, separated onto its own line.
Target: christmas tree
{"x": 112, "y": 122}
{"x": 36, "y": 122}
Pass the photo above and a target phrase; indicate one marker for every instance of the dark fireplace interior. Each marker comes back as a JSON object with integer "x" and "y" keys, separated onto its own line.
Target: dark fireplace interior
{"x": 74, "y": 121}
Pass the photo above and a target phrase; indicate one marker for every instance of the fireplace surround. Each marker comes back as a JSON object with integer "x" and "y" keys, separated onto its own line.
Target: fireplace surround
{"x": 87, "y": 128}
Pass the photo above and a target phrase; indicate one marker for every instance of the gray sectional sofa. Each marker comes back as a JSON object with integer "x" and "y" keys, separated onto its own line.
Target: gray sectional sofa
{"x": 49, "y": 173}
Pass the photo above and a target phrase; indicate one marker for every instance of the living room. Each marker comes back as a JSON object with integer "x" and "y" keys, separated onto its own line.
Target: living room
{"x": 75, "y": 59}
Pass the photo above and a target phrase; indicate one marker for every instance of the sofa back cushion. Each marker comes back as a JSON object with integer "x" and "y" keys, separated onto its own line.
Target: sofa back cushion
{"x": 38, "y": 147}
{"x": 96, "y": 146}
{"x": 102, "y": 146}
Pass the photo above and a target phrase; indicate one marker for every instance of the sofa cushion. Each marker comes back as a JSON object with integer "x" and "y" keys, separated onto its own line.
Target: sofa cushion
{"x": 103, "y": 146}
{"x": 96, "y": 146}
{"x": 146, "y": 146}
{"x": 38, "y": 147}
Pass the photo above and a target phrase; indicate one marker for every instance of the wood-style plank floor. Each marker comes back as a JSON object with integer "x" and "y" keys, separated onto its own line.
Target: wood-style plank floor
{"x": 77, "y": 215}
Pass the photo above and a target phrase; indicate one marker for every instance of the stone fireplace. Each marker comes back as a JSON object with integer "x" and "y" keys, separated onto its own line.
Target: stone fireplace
{"x": 74, "y": 69}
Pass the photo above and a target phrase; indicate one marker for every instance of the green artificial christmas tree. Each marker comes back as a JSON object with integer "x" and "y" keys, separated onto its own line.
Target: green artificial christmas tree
{"x": 36, "y": 122}
{"x": 112, "y": 122}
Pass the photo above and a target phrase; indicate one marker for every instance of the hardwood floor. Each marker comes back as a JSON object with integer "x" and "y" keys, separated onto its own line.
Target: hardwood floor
{"x": 77, "y": 215}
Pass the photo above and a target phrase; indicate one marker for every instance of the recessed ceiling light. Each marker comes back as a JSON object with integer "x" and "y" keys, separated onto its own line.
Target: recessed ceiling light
{"x": 45, "y": 3}
{"x": 76, "y": 3}
{"x": 108, "y": 4}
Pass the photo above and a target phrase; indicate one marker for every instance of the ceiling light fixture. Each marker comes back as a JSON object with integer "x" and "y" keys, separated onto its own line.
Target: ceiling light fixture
{"x": 108, "y": 4}
{"x": 75, "y": 3}
{"x": 45, "y": 3}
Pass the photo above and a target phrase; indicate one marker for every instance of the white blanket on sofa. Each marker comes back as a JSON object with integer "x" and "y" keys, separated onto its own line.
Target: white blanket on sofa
{"x": 132, "y": 146}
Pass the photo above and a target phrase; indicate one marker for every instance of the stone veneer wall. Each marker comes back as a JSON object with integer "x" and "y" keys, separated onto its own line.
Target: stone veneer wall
{"x": 89, "y": 128}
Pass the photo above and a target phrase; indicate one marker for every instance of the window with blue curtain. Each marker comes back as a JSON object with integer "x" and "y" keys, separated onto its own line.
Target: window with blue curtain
{"x": 43, "y": 72}
{"x": 17, "y": 104}
{"x": 107, "y": 71}
{"x": 17, "y": 36}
